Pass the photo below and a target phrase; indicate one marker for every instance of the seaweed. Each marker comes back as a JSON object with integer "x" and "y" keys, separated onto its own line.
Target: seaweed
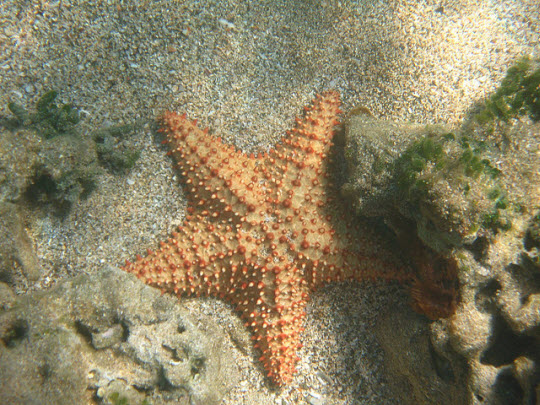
{"x": 518, "y": 94}
{"x": 68, "y": 163}
{"x": 114, "y": 152}
{"x": 50, "y": 119}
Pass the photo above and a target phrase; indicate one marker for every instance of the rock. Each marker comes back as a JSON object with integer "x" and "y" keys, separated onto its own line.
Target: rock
{"x": 43, "y": 160}
{"x": 18, "y": 154}
{"x": 7, "y": 296}
{"x": 110, "y": 336}
{"x": 42, "y": 365}
{"x": 417, "y": 368}
{"x": 66, "y": 170}
{"x": 119, "y": 392}
{"x": 16, "y": 248}
{"x": 372, "y": 149}
{"x": 464, "y": 203}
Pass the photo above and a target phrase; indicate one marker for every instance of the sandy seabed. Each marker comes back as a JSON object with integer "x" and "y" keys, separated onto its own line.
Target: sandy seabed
{"x": 245, "y": 69}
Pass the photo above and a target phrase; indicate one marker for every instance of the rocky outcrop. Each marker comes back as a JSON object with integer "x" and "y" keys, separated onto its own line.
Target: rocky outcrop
{"x": 109, "y": 337}
{"x": 465, "y": 205}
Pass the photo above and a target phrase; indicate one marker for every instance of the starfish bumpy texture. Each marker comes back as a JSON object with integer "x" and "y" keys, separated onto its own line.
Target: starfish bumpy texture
{"x": 264, "y": 231}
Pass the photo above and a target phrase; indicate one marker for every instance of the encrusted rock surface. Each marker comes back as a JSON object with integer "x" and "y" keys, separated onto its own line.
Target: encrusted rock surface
{"x": 417, "y": 369}
{"x": 16, "y": 249}
{"x": 57, "y": 171}
{"x": 18, "y": 154}
{"x": 466, "y": 203}
{"x": 110, "y": 337}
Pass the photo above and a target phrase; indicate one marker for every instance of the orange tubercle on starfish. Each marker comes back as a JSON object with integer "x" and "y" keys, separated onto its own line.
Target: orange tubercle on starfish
{"x": 263, "y": 231}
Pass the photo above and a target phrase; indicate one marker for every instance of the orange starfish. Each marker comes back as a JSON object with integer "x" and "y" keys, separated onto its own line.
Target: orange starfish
{"x": 263, "y": 231}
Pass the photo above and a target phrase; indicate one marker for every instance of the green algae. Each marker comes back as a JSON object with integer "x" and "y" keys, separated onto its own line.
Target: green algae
{"x": 460, "y": 160}
{"x": 68, "y": 163}
{"x": 114, "y": 152}
{"x": 517, "y": 95}
{"x": 117, "y": 399}
{"x": 49, "y": 118}
{"x": 414, "y": 161}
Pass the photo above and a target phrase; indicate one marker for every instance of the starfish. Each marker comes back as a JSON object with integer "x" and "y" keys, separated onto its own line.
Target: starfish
{"x": 263, "y": 231}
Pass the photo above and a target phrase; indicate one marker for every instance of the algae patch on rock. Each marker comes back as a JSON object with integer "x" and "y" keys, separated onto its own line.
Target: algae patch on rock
{"x": 464, "y": 203}
{"x": 57, "y": 164}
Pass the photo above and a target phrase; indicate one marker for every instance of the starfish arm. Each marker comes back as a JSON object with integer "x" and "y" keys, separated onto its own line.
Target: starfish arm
{"x": 274, "y": 308}
{"x": 310, "y": 140}
{"x": 218, "y": 177}
{"x": 191, "y": 261}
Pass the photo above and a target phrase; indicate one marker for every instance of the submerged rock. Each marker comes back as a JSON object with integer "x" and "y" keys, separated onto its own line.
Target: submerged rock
{"x": 110, "y": 337}
{"x": 16, "y": 248}
{"x": 465, "y": 205}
